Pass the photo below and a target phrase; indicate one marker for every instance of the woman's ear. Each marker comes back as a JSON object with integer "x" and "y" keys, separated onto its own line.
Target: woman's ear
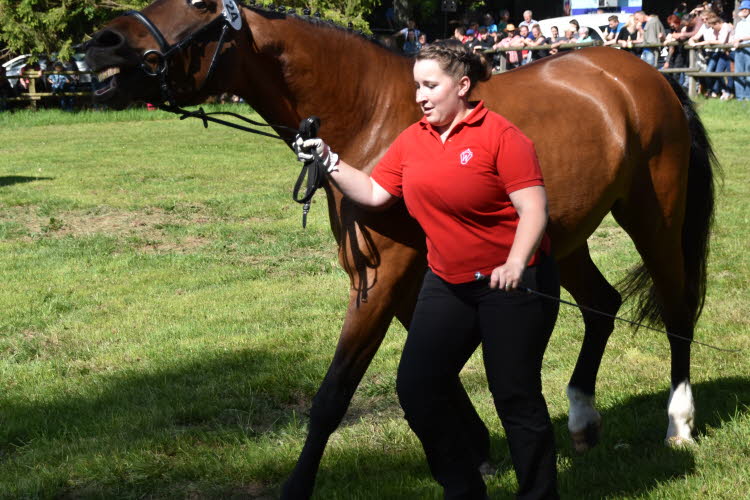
{"x": 464, "y": 84}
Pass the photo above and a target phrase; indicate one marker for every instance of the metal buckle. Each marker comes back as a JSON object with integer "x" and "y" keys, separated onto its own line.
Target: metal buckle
{"x": 161, "y": 66}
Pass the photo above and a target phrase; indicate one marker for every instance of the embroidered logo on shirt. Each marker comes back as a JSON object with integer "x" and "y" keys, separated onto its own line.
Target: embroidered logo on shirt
{"x": 466, "y": 156}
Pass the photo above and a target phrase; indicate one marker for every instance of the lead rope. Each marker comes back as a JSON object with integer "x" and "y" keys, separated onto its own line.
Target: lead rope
{"x": 481, "y": 277}
{"x": 313, "y": 169}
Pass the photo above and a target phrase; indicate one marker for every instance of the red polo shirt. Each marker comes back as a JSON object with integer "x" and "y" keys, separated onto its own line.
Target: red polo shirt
{"x": 458, "y": 190}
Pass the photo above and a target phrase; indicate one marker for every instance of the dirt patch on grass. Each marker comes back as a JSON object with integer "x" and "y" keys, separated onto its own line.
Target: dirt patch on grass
{"x": 154, "y": 230}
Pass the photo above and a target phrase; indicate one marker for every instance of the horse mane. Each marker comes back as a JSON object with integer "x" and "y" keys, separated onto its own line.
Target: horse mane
{"x": 281, "y": 12}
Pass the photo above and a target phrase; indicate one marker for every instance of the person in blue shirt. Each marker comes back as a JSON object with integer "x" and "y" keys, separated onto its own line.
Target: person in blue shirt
{"x": 612, "y": 31}
{"x": 60, "y": 83}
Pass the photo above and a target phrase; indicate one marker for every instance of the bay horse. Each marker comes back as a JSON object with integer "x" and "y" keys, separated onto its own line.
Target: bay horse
{"x": 638, "y": 150}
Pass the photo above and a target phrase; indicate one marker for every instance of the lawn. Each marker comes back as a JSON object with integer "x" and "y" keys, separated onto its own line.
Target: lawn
{"x": 166, "y": 321}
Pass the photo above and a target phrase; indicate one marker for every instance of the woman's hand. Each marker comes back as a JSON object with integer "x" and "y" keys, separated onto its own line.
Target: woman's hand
{"x": 508, "y": 276}
{"x": 304, "y": 150}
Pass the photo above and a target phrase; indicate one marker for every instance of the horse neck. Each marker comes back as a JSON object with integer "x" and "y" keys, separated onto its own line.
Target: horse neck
{"x": 293, "y": 69}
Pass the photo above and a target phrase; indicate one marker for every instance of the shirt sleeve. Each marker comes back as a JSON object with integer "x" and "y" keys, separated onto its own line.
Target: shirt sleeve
{"x": 388, "y": 173}
{"x": 517, "y": 163}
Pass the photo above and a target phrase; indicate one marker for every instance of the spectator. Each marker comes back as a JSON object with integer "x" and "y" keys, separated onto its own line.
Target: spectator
{"x": 459, "y": 33}
{"x": 555, "y": 40}
{"x": 523, "y": 32}
{"x": 612, "y": 30}
{"x": 742, "y": 55}
{"x": 584, "y": 36}
{"x": 503, "y": 22}
{"x": 489, "y": 23}
{"x": 630, "y": 35}
{"x": 411, "y": 44}
{"x": 677, "y": 56}
{"x": 528, "y": 21}
{"x": 716, "y": 32}
{"x": 512, "y": 58}
{"x": 575, "y": 25}
{"x": 422, "y": 39}
{"x": 653, "y": 32}
{"x": 537, "y": 40}
{"x": 410, "y": 25}
{"x": 60, "y": 84}
{"x": 469, "y": 38}
{"x": 570, "y": 37}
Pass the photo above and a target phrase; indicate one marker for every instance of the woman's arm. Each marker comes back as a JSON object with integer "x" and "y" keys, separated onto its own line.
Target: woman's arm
{"x": 354, "y": 184}
{"x": 360, "y": 187}
{"x": 531, "y": 205}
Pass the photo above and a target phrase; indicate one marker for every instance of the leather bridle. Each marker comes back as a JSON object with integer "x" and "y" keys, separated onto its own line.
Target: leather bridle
{"x": 159, "y": 68}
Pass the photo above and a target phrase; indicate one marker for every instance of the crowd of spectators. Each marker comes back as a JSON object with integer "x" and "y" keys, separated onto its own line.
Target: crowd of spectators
{"x": 642, "y": 34}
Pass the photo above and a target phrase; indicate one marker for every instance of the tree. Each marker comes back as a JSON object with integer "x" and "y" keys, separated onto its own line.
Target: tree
{"x": 48, "y": 26}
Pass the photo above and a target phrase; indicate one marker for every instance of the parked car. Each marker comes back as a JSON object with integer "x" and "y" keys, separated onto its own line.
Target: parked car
{"x": 14, "y": 66}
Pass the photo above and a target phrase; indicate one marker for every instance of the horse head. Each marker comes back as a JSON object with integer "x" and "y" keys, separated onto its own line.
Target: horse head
{"x": 168, "y": 51}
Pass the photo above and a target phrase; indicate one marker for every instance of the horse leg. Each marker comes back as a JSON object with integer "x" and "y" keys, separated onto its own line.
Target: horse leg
{"x": 660, "y": 246}
{"x": 580, "y": 276}
{"x": 364, "y": 328}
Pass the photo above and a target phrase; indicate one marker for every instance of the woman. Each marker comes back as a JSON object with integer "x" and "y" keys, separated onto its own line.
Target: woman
{"x": 473, "y": 182}
{"x": 537, "y": 40}
{"x": 677, "y": 54}
{"x": 716, "y": 32}
{"x": 629, "y": 35}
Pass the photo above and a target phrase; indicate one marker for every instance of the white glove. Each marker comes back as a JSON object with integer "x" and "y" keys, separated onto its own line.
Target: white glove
{"x": 305, "y": 148}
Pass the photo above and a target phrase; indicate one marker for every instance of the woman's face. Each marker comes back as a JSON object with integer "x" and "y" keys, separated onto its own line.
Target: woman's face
{"x": 439, "y": 95}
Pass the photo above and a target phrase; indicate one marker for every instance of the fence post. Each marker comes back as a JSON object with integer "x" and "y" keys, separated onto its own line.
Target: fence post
{"x": 32, "y": 90}
{"x": 692, "y": 84}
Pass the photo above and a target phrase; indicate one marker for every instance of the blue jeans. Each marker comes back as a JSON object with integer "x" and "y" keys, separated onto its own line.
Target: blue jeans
{"x": 717, "y": 63}
{"x": 742, "y": 65}
{"x": 650, "y": 56}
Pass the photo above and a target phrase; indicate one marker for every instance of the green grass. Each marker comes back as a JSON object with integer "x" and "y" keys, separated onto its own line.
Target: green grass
{"x": 166, "y": 321}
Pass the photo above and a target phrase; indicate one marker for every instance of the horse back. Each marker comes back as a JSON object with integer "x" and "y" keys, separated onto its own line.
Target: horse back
{"x": 597, "y": 117}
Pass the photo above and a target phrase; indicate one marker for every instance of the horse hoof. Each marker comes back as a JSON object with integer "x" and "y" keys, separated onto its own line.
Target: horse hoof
{"x": 679, "y": 441}
{"x": 586, "y": 438}
{"x": 486, "y": 469}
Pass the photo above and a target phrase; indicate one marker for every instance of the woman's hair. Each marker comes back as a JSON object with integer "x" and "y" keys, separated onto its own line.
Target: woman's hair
{"x": 457, "y": 61}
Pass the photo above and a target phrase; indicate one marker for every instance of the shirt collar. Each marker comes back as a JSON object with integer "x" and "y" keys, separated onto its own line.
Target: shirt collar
{"x": 473, "y": 117}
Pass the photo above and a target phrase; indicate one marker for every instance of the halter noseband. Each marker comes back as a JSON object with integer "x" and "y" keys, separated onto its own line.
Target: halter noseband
{"x": 165, "y": 51}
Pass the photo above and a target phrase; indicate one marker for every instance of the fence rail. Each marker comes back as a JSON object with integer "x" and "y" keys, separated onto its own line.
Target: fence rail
{"x": 34, "y": 97}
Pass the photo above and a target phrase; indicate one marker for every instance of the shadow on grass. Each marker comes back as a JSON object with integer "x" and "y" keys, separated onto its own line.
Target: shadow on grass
{"x": 9, "y": 180}
{"x": 630, "y": 459}
{"x": 221, "y": 399}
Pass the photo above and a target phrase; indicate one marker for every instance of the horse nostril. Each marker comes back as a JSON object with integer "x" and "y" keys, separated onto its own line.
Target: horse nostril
{"x": 109, "y": 38}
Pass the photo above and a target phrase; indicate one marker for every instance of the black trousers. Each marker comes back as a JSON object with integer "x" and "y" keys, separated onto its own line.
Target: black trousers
{"x": 449, "y": 323}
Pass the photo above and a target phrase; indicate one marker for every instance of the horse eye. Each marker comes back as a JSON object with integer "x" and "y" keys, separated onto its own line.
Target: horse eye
{"x": 198, "y": 4}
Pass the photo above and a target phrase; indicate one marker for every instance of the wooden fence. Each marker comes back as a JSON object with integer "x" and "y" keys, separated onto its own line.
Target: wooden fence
{"x": 34, "y": 97}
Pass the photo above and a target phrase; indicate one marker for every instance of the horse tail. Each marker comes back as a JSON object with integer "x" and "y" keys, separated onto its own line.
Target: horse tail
{"x": 696, "y": 229}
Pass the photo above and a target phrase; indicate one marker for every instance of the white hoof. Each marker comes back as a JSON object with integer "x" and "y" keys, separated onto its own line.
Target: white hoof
{"x": 681, "y": 413}
{"x": 584, "y": 422}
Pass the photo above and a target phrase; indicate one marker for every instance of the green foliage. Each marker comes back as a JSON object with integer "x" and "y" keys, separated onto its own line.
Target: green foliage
{"x": 48, "y": 26}
{"x": 341, "y": 12}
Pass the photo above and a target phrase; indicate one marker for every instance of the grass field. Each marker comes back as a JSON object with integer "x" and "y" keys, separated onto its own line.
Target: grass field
{"x": 166, "y": 321}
